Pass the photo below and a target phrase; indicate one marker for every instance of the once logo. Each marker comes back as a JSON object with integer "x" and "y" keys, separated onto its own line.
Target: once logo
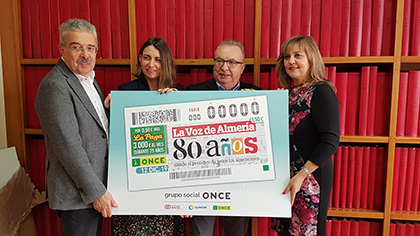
{"x": 217, "y": 195}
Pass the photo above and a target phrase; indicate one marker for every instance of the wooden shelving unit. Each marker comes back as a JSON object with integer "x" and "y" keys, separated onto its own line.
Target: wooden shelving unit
{"x": 18, "y": 134}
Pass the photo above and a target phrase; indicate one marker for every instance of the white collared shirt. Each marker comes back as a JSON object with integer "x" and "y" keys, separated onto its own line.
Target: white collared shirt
{"x": 87, "y": 83}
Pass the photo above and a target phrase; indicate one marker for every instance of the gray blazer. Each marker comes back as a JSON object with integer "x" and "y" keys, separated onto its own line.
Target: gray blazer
{"x": 76, "y": 142}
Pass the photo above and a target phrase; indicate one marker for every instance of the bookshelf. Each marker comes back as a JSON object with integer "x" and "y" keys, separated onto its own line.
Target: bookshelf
{"x": 20, "y": 134}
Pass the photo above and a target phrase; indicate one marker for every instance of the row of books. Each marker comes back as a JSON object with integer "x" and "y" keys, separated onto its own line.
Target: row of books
{"x": 411, "y": 29}
{"x": 364, "y": 99}
{"x": 341, "y": 28}
{"x": 408, "y": 104}
{"x": 359, "y": 94}
{"x": 41, "y": 20}
{"x": 406, "y": 182}
{"x": 359, "y": 177}
{"x": 194, "y": 28}
{"x": 406, "y": 228}
{"x": 347, "y": 227}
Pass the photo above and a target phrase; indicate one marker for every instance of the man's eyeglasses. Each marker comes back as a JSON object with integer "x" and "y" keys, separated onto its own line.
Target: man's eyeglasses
{"x": 76, "y": 48}
{"x": 219, "y": 62}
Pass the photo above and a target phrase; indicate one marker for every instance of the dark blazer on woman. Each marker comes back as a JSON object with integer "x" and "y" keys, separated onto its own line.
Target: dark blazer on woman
{"x": 141, "y": 84}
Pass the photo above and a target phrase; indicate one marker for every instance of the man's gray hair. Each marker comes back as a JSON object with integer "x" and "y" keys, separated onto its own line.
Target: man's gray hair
{"x": 76, "y": 25}
{"x": 231, "y": 42}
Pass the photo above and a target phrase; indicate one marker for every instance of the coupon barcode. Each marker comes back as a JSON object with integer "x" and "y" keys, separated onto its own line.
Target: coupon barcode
{"x": 200, "y": 173}
{"x": 155, "y": 117}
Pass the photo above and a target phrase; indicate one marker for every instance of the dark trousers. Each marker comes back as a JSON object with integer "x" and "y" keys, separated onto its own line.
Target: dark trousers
{"x": 232, "y": 226}
{"x": 81, "y": 222}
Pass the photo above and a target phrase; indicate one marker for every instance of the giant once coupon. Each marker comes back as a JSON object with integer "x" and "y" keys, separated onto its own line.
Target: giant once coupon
{"x": 199, "y": 153}
{"x": 206, "y": 142}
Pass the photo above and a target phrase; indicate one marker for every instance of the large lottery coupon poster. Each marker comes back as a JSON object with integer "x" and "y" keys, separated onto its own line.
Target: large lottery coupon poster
{"x": 199, "y": 153}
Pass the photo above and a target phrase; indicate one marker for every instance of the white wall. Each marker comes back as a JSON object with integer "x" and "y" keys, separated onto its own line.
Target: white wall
{"x": 3, "y": 137}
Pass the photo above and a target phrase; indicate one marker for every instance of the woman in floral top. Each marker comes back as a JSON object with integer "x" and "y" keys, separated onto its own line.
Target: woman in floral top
{"x": 314, "y": 131}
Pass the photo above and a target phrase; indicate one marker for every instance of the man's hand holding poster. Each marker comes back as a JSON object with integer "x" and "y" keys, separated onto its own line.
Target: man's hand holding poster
{"x": 199, "y": 153}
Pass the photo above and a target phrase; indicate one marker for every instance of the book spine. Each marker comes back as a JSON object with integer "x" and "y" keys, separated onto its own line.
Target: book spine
{"x": 382, "y": 99}
{"x": 116, "y": 30}
{"x": 415, "y": 35}
{"x": 305, "y": 28}
{"x": 372, "y": 177}
{"x": 208, "y": 29}
{"x": 363, "y": 101}
{"x": 161, "y": 19}
{"x": 365, "y": 176}
{"x": 326, "y": 24}
{"x": 366, "y": 27}
{"x": 332, "y": 74}
{"x": 402, "y": 104}
{"x": 395, "y": 181}
{"x": 105, "y": 29}
{"x": 353, "y": 96}
{"x": 65, "y": 10}
{"x": 337, "y": 178}
{"x": 249, "y": 28}
{"x": 411, "y": 126}
{"x": 190, "y": 28}
{"x": 335, "y": 28}
{"x": 316, "y": 20}
{"x": 286, "y": 20}
{"x": 274, "y": 81}
{"x": 228, "y": 19}
{"x": 26, "y": 29}
{"x": 336, "y": 227}
{"x": 35, "y": 30}
{"x": 356, "y": 21}
{"x": 402, "y": 178}
{"x": 275, "y": 29}
{"x": 351, "y": 176}
{"x": 341, "y": 86}
{"x": 297, "y": 16}
{"x": 416, "y": 184}
{"x": 344, "y": 177}
{"x": 379, "y": 180}
{"x": 239, "y": 22}
{"x": 345, "y": 227}
{"x": 199, "y": 29}
{"x": 372, "y": 99}
{"x": 265, "y": 28}
{"x": 94, "y": 19}
{"x": 409, "y": 179}
{"x": 358, "y": 181}
{"x": 389, "y": 28}
{"x": 45, "y": 28}
{"x": 55, "y": 25}
{"x": 345, "y": 29}
{"x": 377, "y": 27}
{"x": 355, "y": 228}
{"x": 85, "y": 10}
{"x": 218, "y": 22}
{"x": 151, "y": 18}
{"x": 181, "y": 51}
{"x": 264, "y": 80}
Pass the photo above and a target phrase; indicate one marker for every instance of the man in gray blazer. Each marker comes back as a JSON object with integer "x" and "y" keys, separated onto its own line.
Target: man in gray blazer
{"x": 69, "y": 104}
